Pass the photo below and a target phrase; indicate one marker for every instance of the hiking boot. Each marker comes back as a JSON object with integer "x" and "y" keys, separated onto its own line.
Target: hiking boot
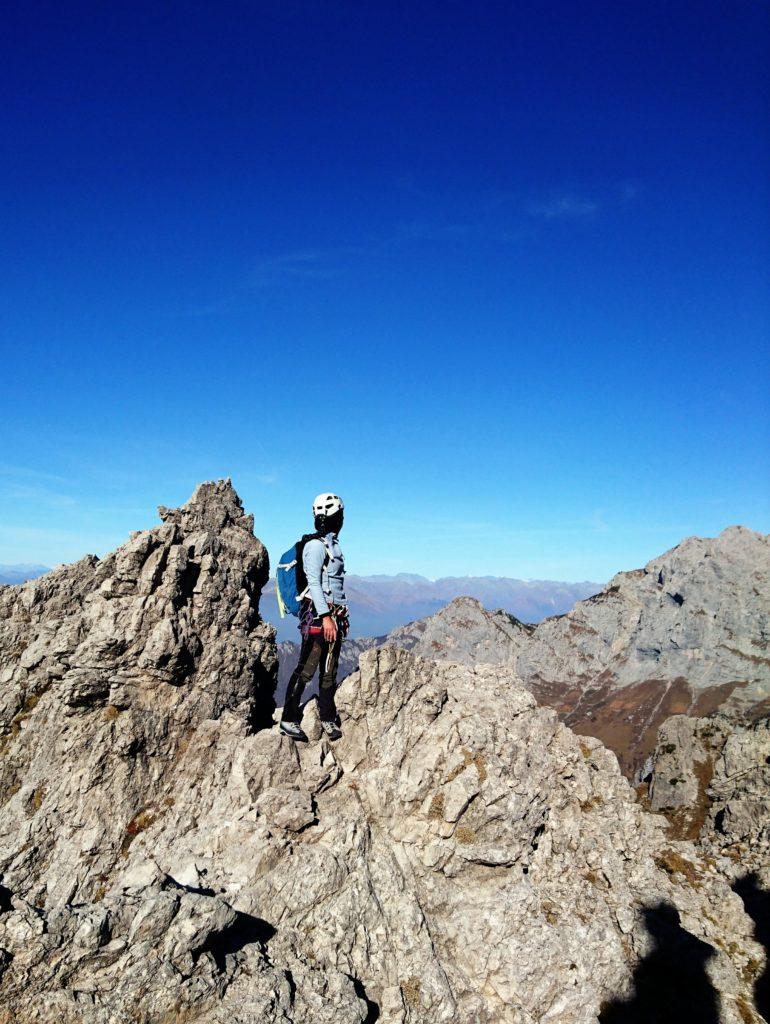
{"x": 331, "y": 730}
{"x": 294, "y": 731}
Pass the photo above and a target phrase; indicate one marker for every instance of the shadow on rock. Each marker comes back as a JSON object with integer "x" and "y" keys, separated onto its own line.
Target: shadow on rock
{"x": 5, "y": 900}
{"x": 242, "y": 932}
{"x": 263, "y": 702}
{"x": 757, "y": 904}
{"x": 372, "y": 1008}
{"x": 670, "y": 984}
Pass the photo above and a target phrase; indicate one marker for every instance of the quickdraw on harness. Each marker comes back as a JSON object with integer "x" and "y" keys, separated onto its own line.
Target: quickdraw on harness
{"x": 310, "y": 623}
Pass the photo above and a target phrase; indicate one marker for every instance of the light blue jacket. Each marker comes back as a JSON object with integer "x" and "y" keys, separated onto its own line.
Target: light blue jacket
{"x": 326, "y": 583}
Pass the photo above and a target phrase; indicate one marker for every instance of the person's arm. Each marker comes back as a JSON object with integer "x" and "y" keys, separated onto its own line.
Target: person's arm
{"x": 313, "y": 558}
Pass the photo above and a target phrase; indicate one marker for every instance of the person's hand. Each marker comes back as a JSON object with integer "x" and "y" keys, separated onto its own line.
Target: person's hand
{"x": 330, "y": 629}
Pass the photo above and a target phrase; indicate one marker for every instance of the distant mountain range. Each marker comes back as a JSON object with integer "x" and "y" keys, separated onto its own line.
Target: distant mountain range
{"x": 20, "y": 573}
{"x": 379, "y": 604}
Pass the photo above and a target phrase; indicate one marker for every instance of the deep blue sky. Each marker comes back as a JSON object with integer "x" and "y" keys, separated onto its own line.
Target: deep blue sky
{"x": 496, "y": 272}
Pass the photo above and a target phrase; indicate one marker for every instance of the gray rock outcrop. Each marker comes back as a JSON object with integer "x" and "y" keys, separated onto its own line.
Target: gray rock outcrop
{"x": 466, "y": 632}
{"x": 687, "y": 634}
{"x": 711, "y": 778}
{"x": 115, "y": 663}
{"x": 460, "y": 855}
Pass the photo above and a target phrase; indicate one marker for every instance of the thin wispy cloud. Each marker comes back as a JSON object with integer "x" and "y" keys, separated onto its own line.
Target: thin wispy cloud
{"x": 435, "y": 231}
{"x": 573, "y": 203}
{"x": 295, "y": 266}
{"x": 482, "y": 231}
{"x": 44, "y": 497}
{"x": 25, "y": 473}
{"x": 597, "y": 521}
{"x": 564, "y": 202}
{"x": 407, "y": 184}
{"x": 511, "y": 217}
{"x": 321, "y": 264}
{"x": 498, "y": 218}
{"x": 563, "y": 207}
{"x": 313, "y": 266}
{"x": 37, "y": 495}
{"x": 629, "y": 191}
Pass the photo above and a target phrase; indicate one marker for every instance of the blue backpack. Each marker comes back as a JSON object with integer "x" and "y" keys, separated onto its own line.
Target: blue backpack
{"x": 290, "y": 579}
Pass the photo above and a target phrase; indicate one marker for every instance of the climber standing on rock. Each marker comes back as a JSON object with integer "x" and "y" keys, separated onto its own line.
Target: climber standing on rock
{"x": 323, "y": 618}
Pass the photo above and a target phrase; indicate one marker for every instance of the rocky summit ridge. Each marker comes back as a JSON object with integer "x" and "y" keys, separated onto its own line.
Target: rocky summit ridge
{"x": 460, "y": 855}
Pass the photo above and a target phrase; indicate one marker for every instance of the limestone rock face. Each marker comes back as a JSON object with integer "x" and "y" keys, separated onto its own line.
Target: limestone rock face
{"x": 464, "y": 631}
{"x": 687, "y": 634}
{"x": 109, "y": 666}
{"x": 460, "y": 855}
{"x": 741, "y": 788}
{"x": 711, "y": 778}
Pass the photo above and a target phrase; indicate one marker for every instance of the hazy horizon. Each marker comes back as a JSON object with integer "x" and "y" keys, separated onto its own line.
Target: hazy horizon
{"x": 647, "y": 552}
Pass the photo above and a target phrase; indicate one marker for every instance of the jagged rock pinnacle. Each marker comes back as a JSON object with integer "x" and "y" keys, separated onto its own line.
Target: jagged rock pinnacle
{"x": 213, "y": 506}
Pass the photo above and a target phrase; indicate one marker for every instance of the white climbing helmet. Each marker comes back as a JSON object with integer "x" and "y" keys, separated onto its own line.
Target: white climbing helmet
{"x": 327, "y": 504}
